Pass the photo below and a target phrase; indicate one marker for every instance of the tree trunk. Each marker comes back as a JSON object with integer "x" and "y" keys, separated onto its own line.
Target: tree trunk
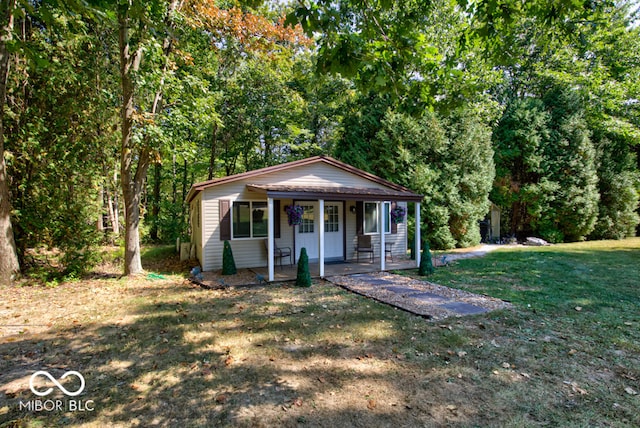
{"x": 9, "y": 264}
{"x": 114, "y": 211}
{"x": 155, "y": 200}
{"x": 100, "y": 219}
{"x": 214, "y": 149}
{"x": 174, "y": 184}
{"x": 133, "y": 182}
{"x": 185, "y": 188}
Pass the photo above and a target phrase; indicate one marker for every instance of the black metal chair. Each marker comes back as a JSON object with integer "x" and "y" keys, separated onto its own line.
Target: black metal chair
{"x": 364, "y": 245}
{"x": 279, "y": 252}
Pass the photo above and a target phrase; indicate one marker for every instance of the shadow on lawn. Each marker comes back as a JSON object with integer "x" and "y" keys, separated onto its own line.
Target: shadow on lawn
{"x": 157, "y": 367}
{"x": 250, "y": 357}
{"x": 223, "y": 358}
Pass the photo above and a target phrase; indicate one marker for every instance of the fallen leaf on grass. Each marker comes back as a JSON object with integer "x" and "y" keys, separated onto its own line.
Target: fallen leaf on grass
{"x": 12, "y": 394}
{"x": 371, "y": 404}
{"x": 228, "y": 361}
{"x": 221, "y": 399}
{"x": 575, "y": 388}
{"x": 630, "y": 391}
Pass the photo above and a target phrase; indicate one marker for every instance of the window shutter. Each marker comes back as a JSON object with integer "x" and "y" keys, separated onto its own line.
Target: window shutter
{"x": 225, "y": 219}
{"x": 276, "y": 217}
{"x": 394, "y": 226}
{"x": 359, "y": 217}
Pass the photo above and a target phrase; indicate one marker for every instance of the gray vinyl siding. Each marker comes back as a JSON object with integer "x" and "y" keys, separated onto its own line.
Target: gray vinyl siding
{"x": 250, "y": 252}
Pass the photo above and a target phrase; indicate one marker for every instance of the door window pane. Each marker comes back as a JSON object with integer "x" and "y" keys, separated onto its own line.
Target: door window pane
{"x": 331, "y": 219}
{"x": 307, "y": 224}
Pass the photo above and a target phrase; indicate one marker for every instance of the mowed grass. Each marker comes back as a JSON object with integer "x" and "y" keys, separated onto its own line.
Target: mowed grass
{"x": 162, "y": 352}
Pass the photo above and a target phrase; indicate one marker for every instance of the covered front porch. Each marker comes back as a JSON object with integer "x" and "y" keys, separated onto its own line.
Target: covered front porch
{"x": 322, "y": 197}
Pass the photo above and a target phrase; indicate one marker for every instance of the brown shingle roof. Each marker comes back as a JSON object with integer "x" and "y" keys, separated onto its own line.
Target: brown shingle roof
{"x": 334, "y": 193}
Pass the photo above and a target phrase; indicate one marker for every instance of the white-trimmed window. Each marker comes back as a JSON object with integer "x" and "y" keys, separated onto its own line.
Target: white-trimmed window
{"x": 371, "y": 217}
{"x": 250, "y": 219}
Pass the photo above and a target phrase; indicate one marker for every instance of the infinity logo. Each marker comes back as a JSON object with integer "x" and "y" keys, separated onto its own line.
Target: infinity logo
{"x": 60, "y": 387}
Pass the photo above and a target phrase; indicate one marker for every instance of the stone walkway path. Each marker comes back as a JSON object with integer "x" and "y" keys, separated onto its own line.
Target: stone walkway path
{"x": 422, "y": 298}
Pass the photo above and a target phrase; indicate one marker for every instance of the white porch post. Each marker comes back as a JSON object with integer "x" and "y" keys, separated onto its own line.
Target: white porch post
{"x": 270, "y": 238}
{"x": 418, "y": 239}
{"x": 381, "y": 224}
{"x": 321, "y": 236}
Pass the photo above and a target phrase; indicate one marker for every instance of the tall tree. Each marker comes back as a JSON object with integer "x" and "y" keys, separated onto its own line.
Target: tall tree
{"x": 135, "y": 157}
{"x": 59, "y": 128}
{"x": 520, "y": 189}
{"x": 547, "y": 179}
{"x": 586, "y": 70}
{"x": 9, "y": 264}
{"x": 449, "y": 160}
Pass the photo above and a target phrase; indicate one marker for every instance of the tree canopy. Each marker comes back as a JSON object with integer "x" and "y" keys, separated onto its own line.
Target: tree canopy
{"x": 113, "y": 109}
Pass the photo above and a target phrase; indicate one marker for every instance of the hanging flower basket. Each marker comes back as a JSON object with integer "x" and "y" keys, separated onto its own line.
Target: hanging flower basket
{"x": 398, "y": 214}
{"x": 294, "y": 214}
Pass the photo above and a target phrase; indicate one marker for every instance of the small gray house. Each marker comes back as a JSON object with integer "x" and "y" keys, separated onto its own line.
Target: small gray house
{"x": 336, "y": 203}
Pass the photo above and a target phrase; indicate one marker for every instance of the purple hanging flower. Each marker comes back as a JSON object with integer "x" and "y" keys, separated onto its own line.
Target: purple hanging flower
{"x": 294, "y": 214}
{"x": 397, "y": 214}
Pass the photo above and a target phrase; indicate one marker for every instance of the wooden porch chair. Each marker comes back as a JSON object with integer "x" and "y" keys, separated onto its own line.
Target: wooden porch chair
{"x": 364, "y": 245}
{"x": 279, "y": 252}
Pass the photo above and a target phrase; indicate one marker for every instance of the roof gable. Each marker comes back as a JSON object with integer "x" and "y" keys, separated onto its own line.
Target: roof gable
{"x": 249, "y": 175}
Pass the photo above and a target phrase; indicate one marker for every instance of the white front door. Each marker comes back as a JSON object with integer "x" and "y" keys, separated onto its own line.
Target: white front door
{"x": 333, "y": 233}
{"x": 306, "y": 233}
